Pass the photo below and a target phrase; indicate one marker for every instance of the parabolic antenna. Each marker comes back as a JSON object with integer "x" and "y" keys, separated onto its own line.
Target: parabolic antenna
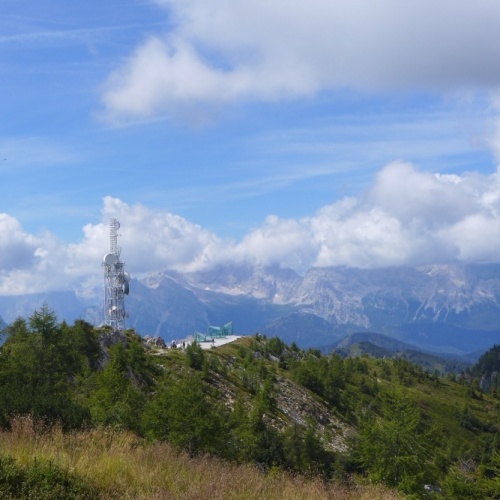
{"x": 110, "y": 259}
{"x": 126, "y": 288}
{"x": 124, "y": 278}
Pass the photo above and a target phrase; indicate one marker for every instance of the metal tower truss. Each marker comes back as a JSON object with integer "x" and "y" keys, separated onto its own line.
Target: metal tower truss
{"x": 116, "y": 282}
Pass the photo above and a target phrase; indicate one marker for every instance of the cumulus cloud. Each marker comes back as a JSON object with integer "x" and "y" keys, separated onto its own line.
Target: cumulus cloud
{"x": 407, "y": 217}
{"x": 410, "y": 195}
{"x": 17, "y": 249}
{"x": 353, "y": 235}
{"x": 278, "y": 242}
{"x": 152, "y": 240}
{"x": 29, "y": 263}
{"x": 223, "y": 50}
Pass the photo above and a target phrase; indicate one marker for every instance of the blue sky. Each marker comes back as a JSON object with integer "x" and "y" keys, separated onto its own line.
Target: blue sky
{"x": 269, "y": 132}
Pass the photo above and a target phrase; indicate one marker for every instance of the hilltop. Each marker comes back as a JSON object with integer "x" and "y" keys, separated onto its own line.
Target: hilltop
{"x": 257, "y": 401}
{"x": 382, "y": 346}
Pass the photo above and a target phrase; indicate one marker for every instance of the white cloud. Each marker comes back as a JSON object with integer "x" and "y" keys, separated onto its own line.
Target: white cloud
{"x": 151, "y": 240}
{"x": 407, "y": 217}
{"x": 17, "y": 249}
{"x": 283, "y": 242}
{"x": 410, "y": 217}
{"x": 474, "y": 238}
{"x": 361, "y": 237}
{"x": 28, "y": 263}
{"x": 222, "y": 50}
{"x": 411, "y": 195}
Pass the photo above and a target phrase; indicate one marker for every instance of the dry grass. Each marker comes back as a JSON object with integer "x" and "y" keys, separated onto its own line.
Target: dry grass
{"x": 120, "y": 466}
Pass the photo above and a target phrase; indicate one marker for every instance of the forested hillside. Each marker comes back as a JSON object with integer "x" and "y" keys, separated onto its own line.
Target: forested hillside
{"x": 338, "y": 423}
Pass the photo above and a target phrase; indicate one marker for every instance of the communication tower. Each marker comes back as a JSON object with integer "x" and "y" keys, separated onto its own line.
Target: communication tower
{"x": 116, "y": 281}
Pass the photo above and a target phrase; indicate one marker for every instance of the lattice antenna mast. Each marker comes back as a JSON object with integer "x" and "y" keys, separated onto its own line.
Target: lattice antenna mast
{"x": 114, "y": 225}
{"x": 116, "y": 282}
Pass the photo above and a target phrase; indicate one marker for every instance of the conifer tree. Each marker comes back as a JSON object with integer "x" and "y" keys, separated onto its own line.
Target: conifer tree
{"x": 394, "y": 447}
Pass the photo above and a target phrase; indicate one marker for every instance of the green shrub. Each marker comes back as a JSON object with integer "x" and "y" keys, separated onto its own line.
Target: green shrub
{"x": 41, "y": 480}
{"x": 195, "y": 356}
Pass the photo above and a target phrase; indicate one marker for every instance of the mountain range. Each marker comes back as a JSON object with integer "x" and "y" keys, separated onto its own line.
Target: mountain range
{"x": 453, "y": 308}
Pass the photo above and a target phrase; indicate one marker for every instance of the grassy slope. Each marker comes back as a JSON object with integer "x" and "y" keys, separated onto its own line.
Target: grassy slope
{"x": 118, "y": 465}
{"x": 440, "y": 400}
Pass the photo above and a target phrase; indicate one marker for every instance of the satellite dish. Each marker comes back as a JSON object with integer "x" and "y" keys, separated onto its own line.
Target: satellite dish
{"x": 110, "y": 259}
{"x": 126, "y": 288}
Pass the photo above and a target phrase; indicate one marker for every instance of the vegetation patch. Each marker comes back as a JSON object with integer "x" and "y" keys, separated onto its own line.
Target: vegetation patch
{"x": 41, "y": 480}
{"x": 98, "y": 413}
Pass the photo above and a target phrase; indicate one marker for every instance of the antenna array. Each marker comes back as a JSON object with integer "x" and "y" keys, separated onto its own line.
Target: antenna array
{"x": 116, "y": 282}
